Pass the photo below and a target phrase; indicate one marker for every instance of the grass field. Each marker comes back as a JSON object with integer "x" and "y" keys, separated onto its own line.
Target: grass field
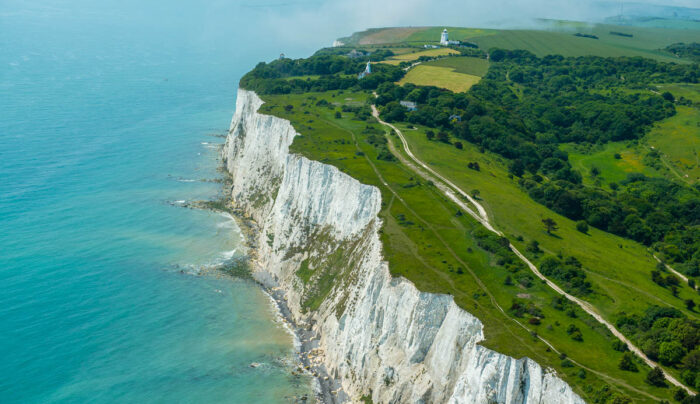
{"x": 467, "y": 65}
{"x": 678, "y": 141}
{"x": 543, "y": 43}
{"x": 428, "y": 243}
{"x": 556, "y": 38}
{"x": 407, "y": 57}
{"x": 387, "y": 35}
{"x": 378, "y": 36}
{"x": 603, "y": 159}
{"x": 443, "y": 77}
{"x": 432, "y": 34}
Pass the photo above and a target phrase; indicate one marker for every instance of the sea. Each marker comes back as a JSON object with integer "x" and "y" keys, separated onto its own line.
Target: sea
{"x": 112, "y": 114}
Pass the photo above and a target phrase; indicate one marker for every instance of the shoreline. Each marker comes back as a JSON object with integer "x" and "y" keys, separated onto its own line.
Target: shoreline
{"x": 309, "y": 356}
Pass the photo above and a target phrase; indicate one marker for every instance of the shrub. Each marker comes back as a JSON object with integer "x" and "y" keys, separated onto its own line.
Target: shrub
{"x": 656, "y": 377}
{"x": 582, "y": 226}
{"x": 627, "y": 362}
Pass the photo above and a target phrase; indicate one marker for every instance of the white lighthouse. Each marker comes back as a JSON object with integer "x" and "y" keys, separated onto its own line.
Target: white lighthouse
{"x": 443, "y": 38}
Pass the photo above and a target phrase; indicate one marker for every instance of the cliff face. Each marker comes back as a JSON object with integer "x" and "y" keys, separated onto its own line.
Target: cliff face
{"x": 319, "y": 242}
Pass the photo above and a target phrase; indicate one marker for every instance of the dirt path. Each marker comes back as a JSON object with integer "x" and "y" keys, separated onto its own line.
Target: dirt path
{"x": 673, "y": 271}
{"x": 450, "y": 190}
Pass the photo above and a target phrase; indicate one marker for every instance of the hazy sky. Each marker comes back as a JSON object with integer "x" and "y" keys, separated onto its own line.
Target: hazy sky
{"x": 341, "y": 17}
{"x": 261, "y": 29}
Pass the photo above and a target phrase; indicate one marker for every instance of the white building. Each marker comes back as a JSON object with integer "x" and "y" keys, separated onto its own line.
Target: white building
{"x": 443, "y": 38}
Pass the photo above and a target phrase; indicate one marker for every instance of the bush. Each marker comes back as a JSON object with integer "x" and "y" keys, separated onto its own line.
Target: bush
{"x": 627, "y": 362}
{"x": 582, "y": 226}
{"x": 656, "y": 377}
{"x": 671, "y": 352}
{"x": 679, "y": 394}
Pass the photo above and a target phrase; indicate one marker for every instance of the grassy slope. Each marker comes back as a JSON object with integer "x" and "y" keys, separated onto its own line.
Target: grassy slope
{"x": 443, "y": 77}
{"x": 603, "y": 158}
{"x": 427, "y": 243}
{"x": 623, "y": 272}
{"x": 646, "y": 41}
{"x": 677, "y": 139}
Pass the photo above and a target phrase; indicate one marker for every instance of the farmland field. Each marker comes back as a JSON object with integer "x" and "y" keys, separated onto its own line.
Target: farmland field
{"x": 443, "y": 77}
{"x": 407, "y": 57}
{"x": 467, "y": 65}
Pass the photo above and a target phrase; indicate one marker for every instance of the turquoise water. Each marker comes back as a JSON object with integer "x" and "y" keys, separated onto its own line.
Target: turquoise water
{"x": 107, "y": 113}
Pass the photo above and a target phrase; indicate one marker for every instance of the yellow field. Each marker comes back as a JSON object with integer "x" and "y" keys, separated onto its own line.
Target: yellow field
{"x": 407, "y": 57}
{"x": 443, "y": 77}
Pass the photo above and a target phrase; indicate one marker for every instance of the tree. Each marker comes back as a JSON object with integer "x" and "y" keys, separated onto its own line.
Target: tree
{"x": 338, "y": 115}
{"x": 288, "y": 107}
{"x": 442, "y": 136}
{"x": 475, "y": 193}
{"x": 656, "y": 377}
{"x": 671, "y": 352}
{"x": 668, "y": 96}
{"x": 690, "y": 304}
{"x": 459, "y": 145}
{"x": 430, "y": 135}
{"x": 517, "y": 168}
{"x": 533, "y": 247}
{"x": 582, "y": 226}
{"x": 627, "y": 362}
{"x": 508, "y": 281}
{"x": 550, "y": 225}
{"x": 679, "y": 394}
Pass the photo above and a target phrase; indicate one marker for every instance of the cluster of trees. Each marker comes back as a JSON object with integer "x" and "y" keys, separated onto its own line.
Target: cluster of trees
{"x": 568, "y": 272}
{"x": 335, "y": 73}
{"x": 685, "y": 50}
{"x": 643, "y": 209}
{"x": 527, "y": 105}
{"x": 375, "y": 137}
{"x": 500, "y": 247}
{"x": 667, "y": 336}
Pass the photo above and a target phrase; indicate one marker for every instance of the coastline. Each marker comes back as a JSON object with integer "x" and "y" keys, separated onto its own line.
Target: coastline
{"x": 309, "y": 356}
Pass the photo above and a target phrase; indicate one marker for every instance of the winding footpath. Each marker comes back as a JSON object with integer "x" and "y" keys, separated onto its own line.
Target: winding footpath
{"x": 453, "y": 192}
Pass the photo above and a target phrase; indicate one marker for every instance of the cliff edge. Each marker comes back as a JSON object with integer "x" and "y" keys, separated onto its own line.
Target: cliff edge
{"x": 379, "y": 336}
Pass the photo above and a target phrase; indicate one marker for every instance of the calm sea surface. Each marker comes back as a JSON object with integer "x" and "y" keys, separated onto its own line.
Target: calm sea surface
{"x": 108, "y": 112}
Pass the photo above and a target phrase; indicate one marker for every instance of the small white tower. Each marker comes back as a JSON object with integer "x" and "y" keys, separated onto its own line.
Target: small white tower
{"x": 443, "y": 38}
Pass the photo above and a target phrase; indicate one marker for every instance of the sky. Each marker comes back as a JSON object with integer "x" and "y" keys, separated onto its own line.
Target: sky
{"x": 299, "y": 27}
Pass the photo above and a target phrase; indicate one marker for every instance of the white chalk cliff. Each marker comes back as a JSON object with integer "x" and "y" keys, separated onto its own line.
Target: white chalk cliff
{"x": 319, "y": 242}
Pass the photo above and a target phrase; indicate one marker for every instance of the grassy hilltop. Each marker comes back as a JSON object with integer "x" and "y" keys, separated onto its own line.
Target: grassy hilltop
{"x": 606, "y": 148}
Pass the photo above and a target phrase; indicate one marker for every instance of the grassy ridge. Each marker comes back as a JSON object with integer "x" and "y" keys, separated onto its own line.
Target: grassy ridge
{"x": 429, "y": 243}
